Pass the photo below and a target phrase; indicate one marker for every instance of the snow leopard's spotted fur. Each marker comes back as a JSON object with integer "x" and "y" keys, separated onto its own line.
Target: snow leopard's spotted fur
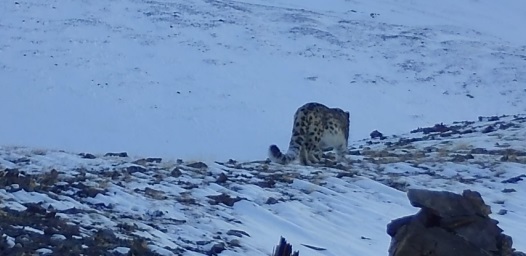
{"x": 316, "y": 128}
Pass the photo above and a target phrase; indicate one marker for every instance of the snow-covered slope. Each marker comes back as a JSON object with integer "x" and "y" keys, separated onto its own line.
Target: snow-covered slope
{"x": 212, "y": 80}
{"x": 84, "y": 203}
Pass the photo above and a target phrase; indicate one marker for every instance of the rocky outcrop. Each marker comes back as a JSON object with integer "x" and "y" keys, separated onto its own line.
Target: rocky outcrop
{"x": 448, "y": 224}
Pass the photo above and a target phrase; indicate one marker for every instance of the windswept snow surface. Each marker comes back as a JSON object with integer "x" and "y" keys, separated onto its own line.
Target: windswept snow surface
{"x": 185, "y": 208}
{"x": 213, "y": 80}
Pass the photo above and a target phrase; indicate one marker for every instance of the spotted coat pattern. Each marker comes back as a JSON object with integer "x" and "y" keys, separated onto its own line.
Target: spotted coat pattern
{"x": 316, "y": 128}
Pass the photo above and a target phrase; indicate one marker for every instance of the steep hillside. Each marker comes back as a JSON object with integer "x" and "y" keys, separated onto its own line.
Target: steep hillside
{"x": 56, "y": 201}
{"x": 208, "y": 80}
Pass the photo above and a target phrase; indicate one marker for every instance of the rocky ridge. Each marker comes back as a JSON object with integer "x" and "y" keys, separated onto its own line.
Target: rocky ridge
{"x": 53, "y": 202}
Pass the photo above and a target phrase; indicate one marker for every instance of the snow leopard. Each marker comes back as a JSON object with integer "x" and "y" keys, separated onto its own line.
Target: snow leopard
{"x": 316, "y": 128}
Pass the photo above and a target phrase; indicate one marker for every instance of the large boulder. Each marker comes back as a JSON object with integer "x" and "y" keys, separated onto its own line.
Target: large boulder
{"x": 448, "y": 224}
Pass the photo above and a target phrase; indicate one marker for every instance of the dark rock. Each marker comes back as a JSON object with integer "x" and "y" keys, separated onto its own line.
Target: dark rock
{"x": 447, "y": 204}
{"x": 10, "y": 177}
{"x": 462, "y": 158}
{"x": 438, "y": 128}
{"x": 502, "y": 212}
{"x": 87, "y": 191}
{"x": 149, "y": 160}
{"x": 87, "y": 156}
{"x": 448, "y": 224}
{"x": 176, "y": 172}
{"x": 508, "y": 190}
{"x": 345, "y": 174}
{"x": 396, "y": 224}
{"x": 479, "y": 151}
{"x": 271, "y": 200}
{"x": 216, "y": 249}
{"x": 514, "y": 179}
{"x": 505, "y": 126}
{"x": 355, "y": 153}
{"x": 467, "y": 131}
{"x": 221, "y": 179}
{"x": 198, "y": 165}
{"x": 488, "y": 129}
{"x": 405, "y": 141}
{"x": 121, "y": 154}
{"x": 284, "y": 249}
{"x": 376, "y": 134}
{"x": 267, "y": 183}
{"x": 136, "y": 168}
{"x": 238, "y": 233}
{"x": 224, "y": 198}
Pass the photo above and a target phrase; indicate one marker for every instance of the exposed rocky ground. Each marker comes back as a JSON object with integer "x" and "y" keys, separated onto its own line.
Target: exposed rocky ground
{"x": 448, "y": 224}
{"x": 60, "y": 203}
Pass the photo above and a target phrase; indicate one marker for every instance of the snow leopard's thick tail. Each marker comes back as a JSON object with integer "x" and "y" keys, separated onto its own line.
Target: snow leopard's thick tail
{"x": 277, "y": 156}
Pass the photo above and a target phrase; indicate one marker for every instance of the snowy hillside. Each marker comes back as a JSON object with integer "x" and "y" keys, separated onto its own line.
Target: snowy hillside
{"x": 55, "y": 201}
{"x": 212, "y": 80}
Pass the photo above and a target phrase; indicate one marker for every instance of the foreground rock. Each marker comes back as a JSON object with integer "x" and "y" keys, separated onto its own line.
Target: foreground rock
{"x": 448, "y": 224}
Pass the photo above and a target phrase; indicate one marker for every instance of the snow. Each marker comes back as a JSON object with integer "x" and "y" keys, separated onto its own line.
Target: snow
{"x": 217, "y": 80}
{"x": 210, "y": 80}
{"x": 311, "y": 206}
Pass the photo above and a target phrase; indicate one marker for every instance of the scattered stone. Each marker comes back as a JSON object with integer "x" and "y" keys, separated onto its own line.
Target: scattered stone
{"x": 87, "y": 191}
{"x": 135, "y": 168}
{"x": 502, "y": 212}
{"x": 10, "y": 177}
{"x": 505, "y": 126}
{"x": 508, "y": 190}
{"x": 479, "y": 151}
{"x": 438, "y": 128}
{"x": 488, "y": 119}
{"x": 345, "y": 174}
{"x": 405, "y": 141}
{"x": 238, "y": 233}
{"x": 376, "y": 134}
{"x": 224, "y": 198}
{"x": 155, "y": 194}
{"x": 269, "y": 182}
{"x": 271, "y": 200}
{"x": 176, "y": 172}
{"x": 462, "y": 158}
{"x": 221, "y": 179}
{"x": 355, "y": 153}
{"x": 198, "y": 165}
{"x": 488, "y": 129}
{"x": 179, "y": 161}
{"x": 216, "y": 249}
{"x": 515, "y": 179}
{"x": 284, "y": 249}
{"x": 87, "y": 156}
{"x": 121, "y": 154}
{"x": 447, "y": 224}
{"x": 447, "y": 204}
{"x": 145, "y": 161}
